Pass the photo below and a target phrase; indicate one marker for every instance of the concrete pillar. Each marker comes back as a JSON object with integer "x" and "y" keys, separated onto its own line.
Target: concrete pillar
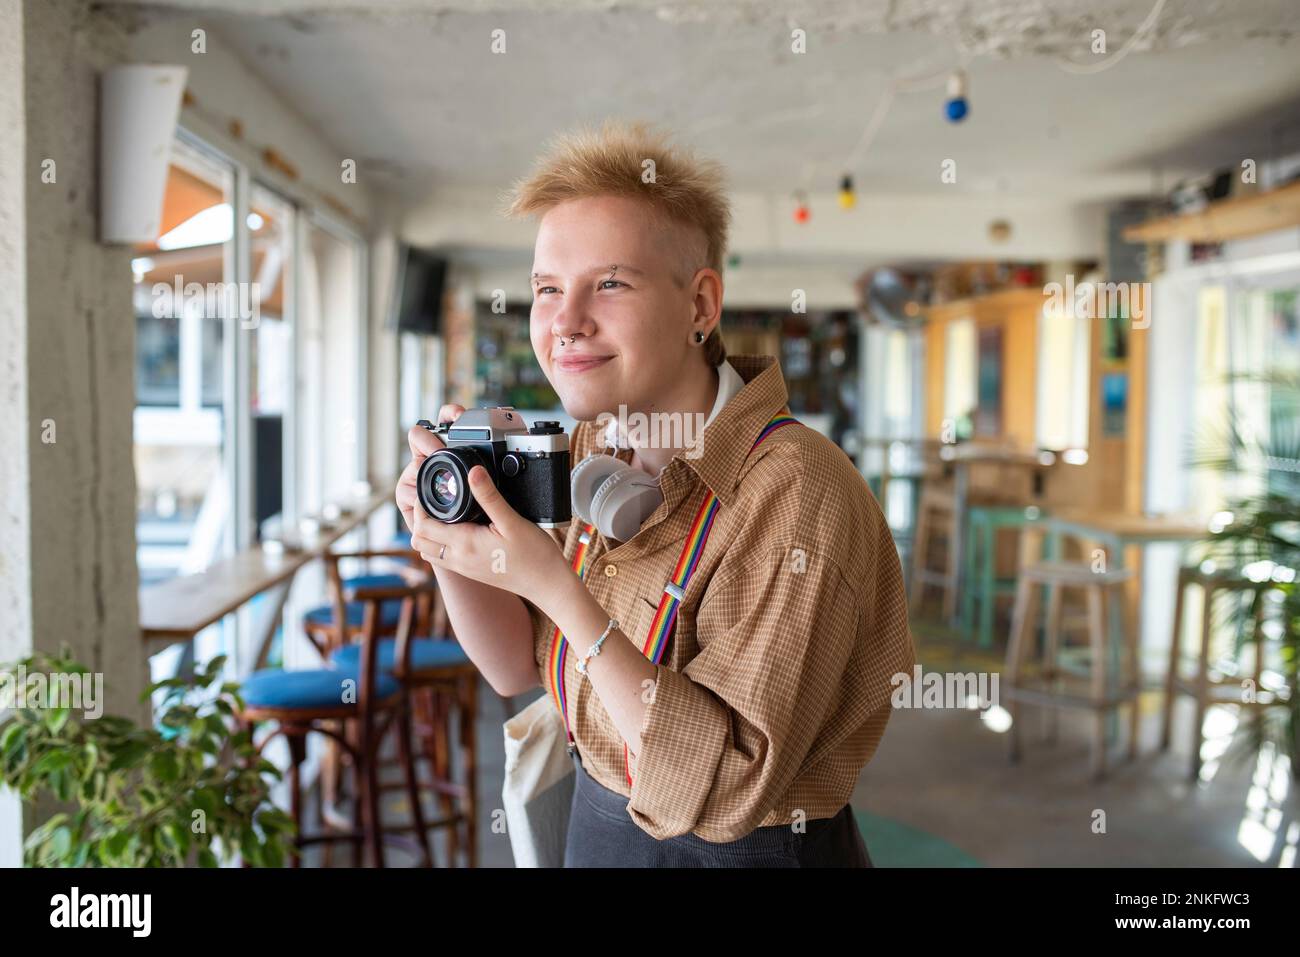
{"x": 67, "y": 483}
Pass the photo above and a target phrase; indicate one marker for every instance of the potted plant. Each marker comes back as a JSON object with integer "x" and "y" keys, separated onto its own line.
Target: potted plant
{"x": 185, "y": 792}
{"x": 1260, "y": 537}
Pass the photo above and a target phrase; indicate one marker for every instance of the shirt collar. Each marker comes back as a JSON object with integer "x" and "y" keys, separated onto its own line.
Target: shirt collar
{"x": 729, "y": 383}
{"x": 730, "y": 432}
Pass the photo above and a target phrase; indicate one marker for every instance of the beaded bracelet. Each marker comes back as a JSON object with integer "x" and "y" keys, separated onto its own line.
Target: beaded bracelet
{"x": 595, "y": 649}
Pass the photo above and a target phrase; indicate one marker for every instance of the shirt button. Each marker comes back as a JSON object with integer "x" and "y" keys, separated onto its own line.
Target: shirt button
{"x": 611, "y": 571}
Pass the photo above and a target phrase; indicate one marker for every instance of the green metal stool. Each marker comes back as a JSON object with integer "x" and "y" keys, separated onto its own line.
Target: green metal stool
{"x": 982, "y": 584}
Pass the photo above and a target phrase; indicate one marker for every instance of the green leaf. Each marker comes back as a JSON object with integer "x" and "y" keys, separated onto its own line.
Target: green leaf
{"x": 272, "y": 853}
{"x": 60, "y": 784}
{"x": 61, "y": 843}
{"x": 51, "y": 762}
{"x": 130, "y": 756}
{"x": 56, "y": 718}
{"x": 13, "y": 734}
{"x": 179, "y": 835}
{"x": 82, "y": 854}
{"x": 117, "y": 843}
{"x": 274, "y": 820}
{"x": 90, "y": 753}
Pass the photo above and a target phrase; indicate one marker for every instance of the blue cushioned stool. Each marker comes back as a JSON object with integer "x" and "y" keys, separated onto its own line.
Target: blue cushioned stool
{"x": 318, "y": 689}
{"x": 426, "y": 654}
{"x": 322, "y": 616}
{"x": 440, "y": 679}
{"x": 353, "y": 713}
{"x": 323, "y": 630}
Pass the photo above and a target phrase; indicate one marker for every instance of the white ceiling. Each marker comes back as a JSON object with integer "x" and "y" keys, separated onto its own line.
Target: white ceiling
{"x": 413, "y": 90}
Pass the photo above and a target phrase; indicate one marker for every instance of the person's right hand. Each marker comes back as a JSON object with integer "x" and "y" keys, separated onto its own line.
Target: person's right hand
{"x": 423, "y": 443}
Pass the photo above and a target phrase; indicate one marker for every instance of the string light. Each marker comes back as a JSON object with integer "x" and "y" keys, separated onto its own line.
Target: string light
{"x": 957, "y": 105}
{"x": 801, "y": 211}
{"x": 848, "y": 199}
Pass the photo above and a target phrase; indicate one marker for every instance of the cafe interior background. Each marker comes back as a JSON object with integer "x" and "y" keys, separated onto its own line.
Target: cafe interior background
{"x": 1033, "y": 265}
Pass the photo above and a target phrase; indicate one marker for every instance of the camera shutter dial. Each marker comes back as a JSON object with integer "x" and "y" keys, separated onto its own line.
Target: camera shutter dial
{"x": 512, "y": 464}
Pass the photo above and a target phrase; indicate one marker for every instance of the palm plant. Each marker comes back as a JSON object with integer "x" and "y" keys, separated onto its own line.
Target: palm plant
{"x": 1260, "y": 537}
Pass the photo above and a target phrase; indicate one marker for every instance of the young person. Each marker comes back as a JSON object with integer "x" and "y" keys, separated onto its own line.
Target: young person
{"x": 732, "y": 733}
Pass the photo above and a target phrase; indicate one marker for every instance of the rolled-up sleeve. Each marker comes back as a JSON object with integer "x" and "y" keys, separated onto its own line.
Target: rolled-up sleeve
{"x": 781, "y": 657}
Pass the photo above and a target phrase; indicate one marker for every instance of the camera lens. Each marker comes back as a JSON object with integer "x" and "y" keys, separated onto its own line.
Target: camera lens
{"x": 443, "y": 485}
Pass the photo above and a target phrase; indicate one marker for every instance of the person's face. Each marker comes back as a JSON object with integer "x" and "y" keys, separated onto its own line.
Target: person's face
{"x": 603, "y": 270}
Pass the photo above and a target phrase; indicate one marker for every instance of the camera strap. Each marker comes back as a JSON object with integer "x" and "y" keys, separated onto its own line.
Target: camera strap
{"x": 661, "y": 626}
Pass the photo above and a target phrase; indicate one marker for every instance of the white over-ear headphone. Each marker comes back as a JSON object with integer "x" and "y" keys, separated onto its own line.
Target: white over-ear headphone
{"x": 613, "y": 496}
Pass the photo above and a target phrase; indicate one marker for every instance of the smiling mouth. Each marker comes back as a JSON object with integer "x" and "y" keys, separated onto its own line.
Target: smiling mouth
{"x": 580, "y": 363}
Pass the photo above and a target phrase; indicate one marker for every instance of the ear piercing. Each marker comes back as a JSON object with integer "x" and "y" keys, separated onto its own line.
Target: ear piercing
{"x": 699, "y": 336}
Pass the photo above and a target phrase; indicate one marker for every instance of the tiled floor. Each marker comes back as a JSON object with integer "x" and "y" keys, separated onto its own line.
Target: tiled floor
{"x": 947, "y": 773}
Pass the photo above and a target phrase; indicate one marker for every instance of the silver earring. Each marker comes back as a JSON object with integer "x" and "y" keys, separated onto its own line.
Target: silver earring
{"x": 699, "y": 336}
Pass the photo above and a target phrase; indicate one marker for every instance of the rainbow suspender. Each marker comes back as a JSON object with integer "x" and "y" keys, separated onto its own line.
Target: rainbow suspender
{"x": 661, "y": 626}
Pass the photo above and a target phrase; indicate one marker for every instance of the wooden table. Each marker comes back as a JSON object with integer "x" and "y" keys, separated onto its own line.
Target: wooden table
{"x": 1123, "y": 528}
{"x": 1118, "y": 531}
{"x": 176, "y": 610}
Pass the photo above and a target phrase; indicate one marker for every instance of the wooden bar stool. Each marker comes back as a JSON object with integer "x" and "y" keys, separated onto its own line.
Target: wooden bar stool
{"x": 322, "y": 622}
{"x": 322, "y": 629}
{"x": 1216, "y": 680}
{"x": 353, "y": 707}
{"x": 936, "y": 512}
{"x": 437, "y": 680}
{"x": 1046, "y": 687}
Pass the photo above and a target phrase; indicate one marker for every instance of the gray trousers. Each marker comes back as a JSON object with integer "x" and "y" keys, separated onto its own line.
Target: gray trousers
{"x": 602, "y": 834}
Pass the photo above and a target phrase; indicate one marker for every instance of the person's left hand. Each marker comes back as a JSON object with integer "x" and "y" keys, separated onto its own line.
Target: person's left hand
{"x": 511, "y": 553}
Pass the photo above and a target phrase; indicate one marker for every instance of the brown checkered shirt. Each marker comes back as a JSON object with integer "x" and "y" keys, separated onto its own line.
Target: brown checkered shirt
{"x": 774, "y": 689}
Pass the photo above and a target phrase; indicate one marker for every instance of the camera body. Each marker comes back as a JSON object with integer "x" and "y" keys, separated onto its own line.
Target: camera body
{"x": 530, "y": 467}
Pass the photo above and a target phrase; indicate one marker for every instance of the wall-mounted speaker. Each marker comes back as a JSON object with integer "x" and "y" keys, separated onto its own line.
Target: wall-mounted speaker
{"x": 139, "y": 105}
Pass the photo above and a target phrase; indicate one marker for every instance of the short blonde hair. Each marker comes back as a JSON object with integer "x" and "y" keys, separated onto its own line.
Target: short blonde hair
{"x": 684, "y": 190}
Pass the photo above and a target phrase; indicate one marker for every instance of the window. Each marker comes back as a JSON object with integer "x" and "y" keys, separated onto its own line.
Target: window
{"x": 181, "y": 433}
{"x": 1247, "y": 388}
{"x": 331, "y": 425}
{"x": 1064, "y": 370}
{"x": 1266, "y": 382}
{"x": 959, "y": 365}
{"x": 271, "y": 224}
{"x": 900, "y": 411}
{"x": 250, "y": 380}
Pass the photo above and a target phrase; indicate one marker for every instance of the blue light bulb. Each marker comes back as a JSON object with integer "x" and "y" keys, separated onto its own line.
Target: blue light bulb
{"x": 956, "y": 107}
